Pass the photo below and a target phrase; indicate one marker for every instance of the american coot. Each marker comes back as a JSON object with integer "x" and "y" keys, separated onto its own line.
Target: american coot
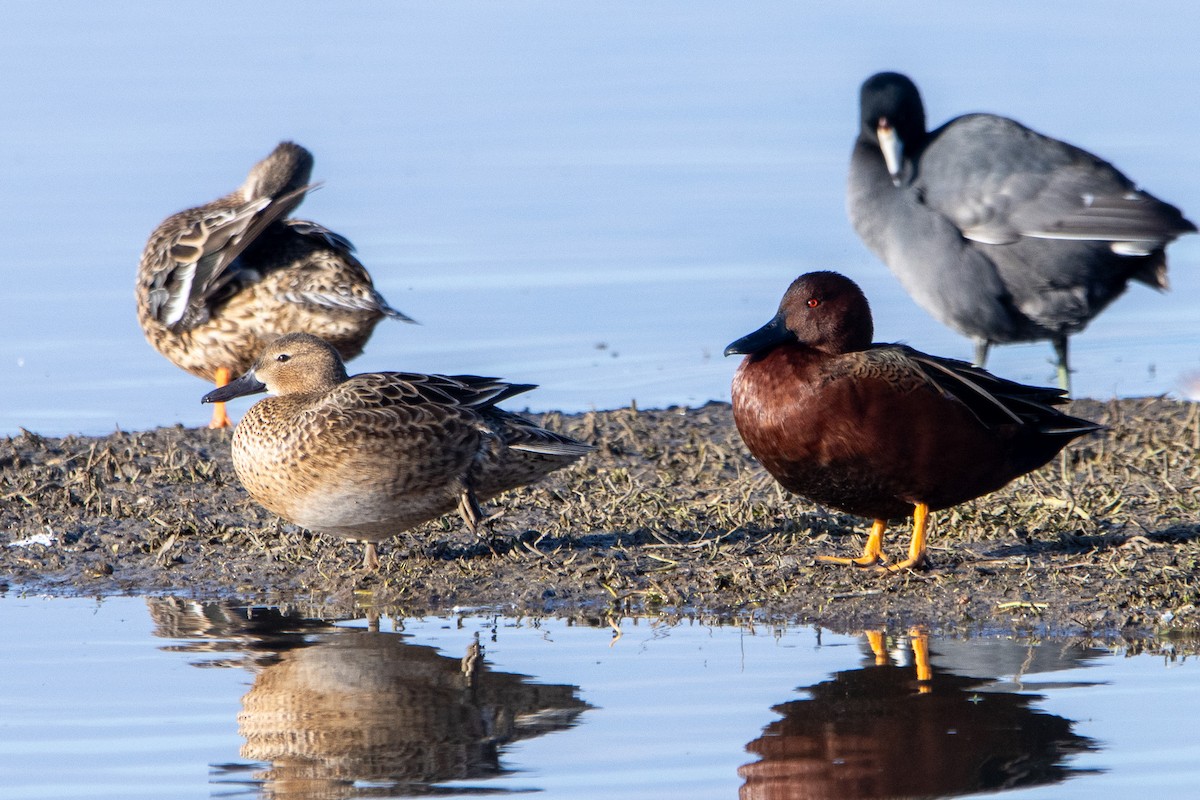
{"x": 882, "y": 430}
{"x": 999, "y": 232}
{"x": 219, "y": 281}
{"x": 368, "y": 456}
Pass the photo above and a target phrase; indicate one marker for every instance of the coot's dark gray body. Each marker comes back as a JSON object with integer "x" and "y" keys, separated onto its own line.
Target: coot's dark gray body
{"x": 1001, "y": 233}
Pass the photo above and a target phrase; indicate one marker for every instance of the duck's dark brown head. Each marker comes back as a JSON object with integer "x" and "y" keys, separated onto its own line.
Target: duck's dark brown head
{"x": 822, "y": 310}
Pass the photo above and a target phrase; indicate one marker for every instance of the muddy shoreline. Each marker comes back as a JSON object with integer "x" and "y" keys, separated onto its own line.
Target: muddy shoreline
{"x": 670, "y": 516}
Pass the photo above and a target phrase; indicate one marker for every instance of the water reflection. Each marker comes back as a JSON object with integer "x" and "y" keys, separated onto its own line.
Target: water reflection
{"x": 334, "y": 708}
{"x": 916, "y": 723}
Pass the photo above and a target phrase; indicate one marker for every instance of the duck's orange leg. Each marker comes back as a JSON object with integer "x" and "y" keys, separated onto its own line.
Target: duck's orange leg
{"x": 919, "y": 640}
{"x": 872, "y": 551}
{"x": 916, "y": 549}
{"x": 219, "y": 418}
{"x": 878, "y": 647}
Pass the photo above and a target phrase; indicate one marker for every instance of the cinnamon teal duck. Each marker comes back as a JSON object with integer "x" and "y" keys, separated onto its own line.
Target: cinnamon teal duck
{"x": 882, "y": 430}
{"x": 219, "y": 281}
{"x": 368, "y": 456}
{"x": 997, "y": 231}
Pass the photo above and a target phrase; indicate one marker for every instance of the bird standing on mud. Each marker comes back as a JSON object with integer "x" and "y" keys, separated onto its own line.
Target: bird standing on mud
{"x": 997, "y": 231}
{"x": 219, "y": 281}
{"x": 882, "y": 430}
{"x": 368, "y": 456}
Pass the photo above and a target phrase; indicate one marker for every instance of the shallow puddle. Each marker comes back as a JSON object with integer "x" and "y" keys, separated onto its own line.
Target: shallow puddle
{"x": 165, "y": 697}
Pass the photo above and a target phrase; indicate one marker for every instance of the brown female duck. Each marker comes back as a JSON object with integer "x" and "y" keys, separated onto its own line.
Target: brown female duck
{"x": 219, "y": 281}
{"x": 882, "y": 430}
{"x": 368, "y": 456}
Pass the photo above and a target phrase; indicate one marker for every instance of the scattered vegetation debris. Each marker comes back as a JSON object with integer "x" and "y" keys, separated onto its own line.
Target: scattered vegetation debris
{"x": 670, "y": 516}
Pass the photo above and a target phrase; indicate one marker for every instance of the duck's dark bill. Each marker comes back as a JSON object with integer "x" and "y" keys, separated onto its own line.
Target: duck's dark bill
{"x": 773, "y": 333}
{"x": 247, "y": 384}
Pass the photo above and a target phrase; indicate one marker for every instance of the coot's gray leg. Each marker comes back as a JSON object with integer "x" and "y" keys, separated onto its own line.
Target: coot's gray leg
{"x": 1064, "y": 371}
{"x": 981, "y": 351}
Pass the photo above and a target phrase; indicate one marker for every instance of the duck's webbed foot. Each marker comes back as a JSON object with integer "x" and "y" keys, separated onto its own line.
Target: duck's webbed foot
{"x": 872, "y": 551}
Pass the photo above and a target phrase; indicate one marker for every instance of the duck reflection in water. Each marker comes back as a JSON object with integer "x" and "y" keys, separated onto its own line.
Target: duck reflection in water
{"x": 331, "y": 707}
{"x": 909, "y": 724}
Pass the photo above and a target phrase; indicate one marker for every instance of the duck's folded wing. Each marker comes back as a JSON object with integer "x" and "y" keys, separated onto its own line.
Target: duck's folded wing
{"x": 438, "y": 399}
{"x": 380, "y": 390}
{"x": 997, "y": 401}
{"x": 343, "y": 284}
{"x": 525, "y": 435}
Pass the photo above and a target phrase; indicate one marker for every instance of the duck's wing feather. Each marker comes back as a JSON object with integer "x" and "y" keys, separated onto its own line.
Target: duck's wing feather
{"x": 341, "y": 284}
{"x": 470, "y": 399}
{"x": 334, "y": 241}
{"x": 381, "y": 390}
{"x": 197, "y": 259}
{"x": 993, "y": 400}
{"x": 522, "y": 434}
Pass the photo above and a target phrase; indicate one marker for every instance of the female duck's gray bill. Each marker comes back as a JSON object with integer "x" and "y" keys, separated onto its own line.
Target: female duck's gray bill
{"x": 247, "y": 384}
{"x": 773, "y": 333}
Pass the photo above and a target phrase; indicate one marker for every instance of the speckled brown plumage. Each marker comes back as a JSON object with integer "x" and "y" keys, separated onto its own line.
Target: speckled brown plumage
{"x": 219, "y": 281}
{"x": 879, "y": 430}
{"x": 368, "y": 456}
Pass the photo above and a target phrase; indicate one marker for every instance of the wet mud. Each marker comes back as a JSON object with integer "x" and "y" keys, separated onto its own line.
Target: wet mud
{"x": 669, "y": 516}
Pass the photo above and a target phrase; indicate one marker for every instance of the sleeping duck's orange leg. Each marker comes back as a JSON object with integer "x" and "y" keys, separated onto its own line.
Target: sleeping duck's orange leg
{"x": 219, "y": 418}
{"x": 878, "y": 644}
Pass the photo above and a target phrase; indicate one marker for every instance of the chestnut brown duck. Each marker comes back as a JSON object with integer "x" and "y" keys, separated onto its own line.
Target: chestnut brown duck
{"x": 219, "y": 281}
{"x": 368, "y": 456}
{"x": 882, "y": 430}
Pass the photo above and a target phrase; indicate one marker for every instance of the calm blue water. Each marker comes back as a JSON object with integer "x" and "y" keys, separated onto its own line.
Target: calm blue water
{"x": 593, "y": 197}
{"x": 166, "y": 698}
{"x": 596, "y": 198}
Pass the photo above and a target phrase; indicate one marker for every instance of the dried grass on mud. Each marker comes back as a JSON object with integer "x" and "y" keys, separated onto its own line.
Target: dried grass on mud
{"x": 669, "y": 516}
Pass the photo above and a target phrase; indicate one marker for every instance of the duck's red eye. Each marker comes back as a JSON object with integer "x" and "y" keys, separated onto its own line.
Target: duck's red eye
{"x": 813, "y": 302}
